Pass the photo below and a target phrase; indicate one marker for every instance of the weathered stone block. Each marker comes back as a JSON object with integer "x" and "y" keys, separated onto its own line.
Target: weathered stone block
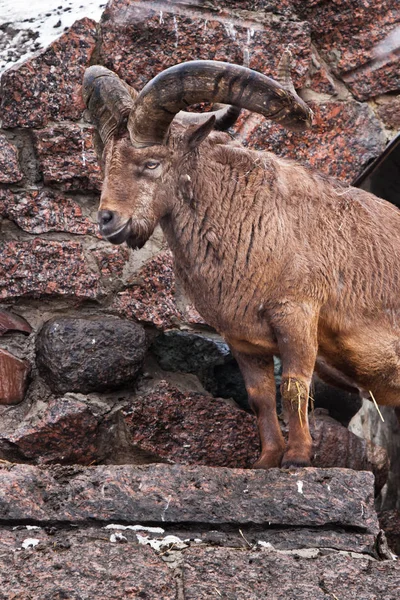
{"x": 344, "y": 138}
{"x": 87, "y": 355}
{"x": 67, "y": 158}
{"x": 12, "y": 322}
{"x": 45, "y": 268}
{"x": 41, "y": 211}
{"x": 347, "y": 34}
{"x": 189, "y": 352}
{"x": 178, "y": 494}
{"x": 10, "y": 171}
{"x": 80, "y": 564}
{"x": 13, "y": 378}
{"x": 280, "y": 576}
{"x": 48, "y": 85}
{"x": 67, "y": 431}
{"x": 131, "y": 33}
{"x": 192, "y": 428}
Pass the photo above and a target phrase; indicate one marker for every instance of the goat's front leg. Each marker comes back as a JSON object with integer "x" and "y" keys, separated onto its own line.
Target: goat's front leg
{"x": 258, "y": 374}
{"x": 298, "y": 345}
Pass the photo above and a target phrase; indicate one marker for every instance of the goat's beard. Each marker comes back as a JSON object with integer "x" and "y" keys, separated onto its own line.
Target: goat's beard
{"x": 138, "y": 233}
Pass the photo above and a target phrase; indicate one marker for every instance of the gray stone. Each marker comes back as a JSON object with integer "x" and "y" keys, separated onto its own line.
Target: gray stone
{"x": 189, "y": 352}
{"x": 88, "y": 355}
{"x": 232, "y": 574}
{"x": 180, "y": 494}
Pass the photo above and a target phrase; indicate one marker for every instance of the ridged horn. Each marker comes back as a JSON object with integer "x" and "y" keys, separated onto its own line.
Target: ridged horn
{"x": 109, "y": 100}
{"x": 188, "y": 83}
{"x": 283, "y": 75}
{"x": 225, "y": 117}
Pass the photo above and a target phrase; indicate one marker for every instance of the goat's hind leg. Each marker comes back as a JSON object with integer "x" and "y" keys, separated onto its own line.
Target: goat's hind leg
{"x": 258, "y": 373}
{"x": 297, "y": 340}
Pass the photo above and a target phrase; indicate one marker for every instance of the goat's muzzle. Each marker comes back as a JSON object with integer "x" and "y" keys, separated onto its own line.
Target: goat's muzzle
{"x": 134, "y": 232}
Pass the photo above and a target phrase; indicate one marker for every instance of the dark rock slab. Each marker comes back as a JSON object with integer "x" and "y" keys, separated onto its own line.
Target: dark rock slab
{"x": 80, "y": 564}
{"x": 45, "y": 268}
{"x": 346, "y": 132}
{"x": 48, "y": 85}
{"x": 13, "y": 378}
{"x": 67, "y": 158}
{"x": 192, "y": 428}
{"x": 42, "y": 211}
{"x": 11, "y": 322}
{"x": 178, "y": 494}
{"x": 233, "y": 574}
{"x": 88, "y": 355}
{"x": 131, "y": 33}
{"x": 389, "y": 520}
{"x": 189, "y": 352}
{"x": 335, "y": 445}
{"x": 10, "y": 171}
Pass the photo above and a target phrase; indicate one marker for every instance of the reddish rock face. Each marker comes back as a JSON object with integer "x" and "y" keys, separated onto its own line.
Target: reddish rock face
{"x": 343, "y": 139}
{"x": 10, "y": 171}
{"x": 13, "y": 378}
{"x": 111, "y": 261}
{"x": 66, "y": 432}
{"x": 347, "y": 33}
{"x": 48, "y": 85}
{"x": 131, "y": 34}
{"x": 11, "y": 322}
{"x": 193, "y": 428}
{"x": 152, "y": 297}
{"x": 67, "y": 158}
{"x": 45, "y": 268}
{"x": 41, "y": 211}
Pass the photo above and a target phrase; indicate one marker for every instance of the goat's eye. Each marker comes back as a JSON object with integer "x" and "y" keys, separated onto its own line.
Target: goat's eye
{"x": 151, "y": 164}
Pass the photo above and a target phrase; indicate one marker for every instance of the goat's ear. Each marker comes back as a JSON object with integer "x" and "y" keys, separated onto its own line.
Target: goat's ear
{"x": 196, "y": 134}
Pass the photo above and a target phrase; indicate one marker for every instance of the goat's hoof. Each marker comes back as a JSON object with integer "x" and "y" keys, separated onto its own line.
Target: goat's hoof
{"x": 268, "y": 461}
{"x": 295, "y": 460}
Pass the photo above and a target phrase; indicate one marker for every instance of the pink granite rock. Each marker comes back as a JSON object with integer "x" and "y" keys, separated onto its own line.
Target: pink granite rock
{"x": 10, "y": 170}
{"x": 345, "y": 137}
{"x": 41, "y": 211}
{"x": 48, "y": 85}
{"x": 131, "y": 34}
{"x": 347, "y": 33}
{"x": 13, "y": 378}
{"x": 67, "y": 158}
{"x": 42, "y": 268}
{"x": 151, "y": 296}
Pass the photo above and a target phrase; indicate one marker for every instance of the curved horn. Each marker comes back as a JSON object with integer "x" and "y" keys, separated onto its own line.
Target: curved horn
{"x": 109, "y": 100}
{"x": 188, "y": 83}
{"x": 225, "y": 116}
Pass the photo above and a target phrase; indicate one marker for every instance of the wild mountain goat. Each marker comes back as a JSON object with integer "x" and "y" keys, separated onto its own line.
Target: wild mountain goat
{"x": 280, "y": 260}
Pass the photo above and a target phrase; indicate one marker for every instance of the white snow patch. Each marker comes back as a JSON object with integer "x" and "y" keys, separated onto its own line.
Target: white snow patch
{"x": 266, "y": 545}
{"x": 135, "y": 528}
{"x": 30, "y": 543}
{"x": 48, "y": 18}
{"x": 158, "y": 545}
{"x": 300, "y": 486}
{"x": 118, "y": 537}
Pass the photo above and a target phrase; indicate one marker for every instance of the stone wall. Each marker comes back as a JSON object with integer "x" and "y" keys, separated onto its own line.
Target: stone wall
{"x": 67, "y": 294}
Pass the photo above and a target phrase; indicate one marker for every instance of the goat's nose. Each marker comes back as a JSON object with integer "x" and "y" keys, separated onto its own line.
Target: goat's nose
{"x": 105, "y": 217}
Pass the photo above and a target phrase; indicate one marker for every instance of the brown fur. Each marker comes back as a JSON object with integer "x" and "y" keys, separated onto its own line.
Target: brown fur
{"x": 280, "y": 260}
